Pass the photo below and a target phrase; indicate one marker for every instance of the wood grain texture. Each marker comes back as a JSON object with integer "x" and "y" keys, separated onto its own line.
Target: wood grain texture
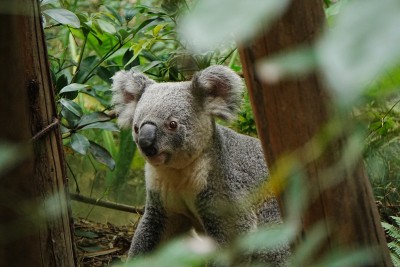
{"x": 289, "y": 114}
{"x": 37, "y": 184}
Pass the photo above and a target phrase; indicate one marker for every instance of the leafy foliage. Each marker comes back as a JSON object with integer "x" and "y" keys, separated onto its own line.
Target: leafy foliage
{"x": 245, "y": 122}
{"x": 90, "y": 40}
{"x": 393, "y": 232}
{"x": 88, "y": 44}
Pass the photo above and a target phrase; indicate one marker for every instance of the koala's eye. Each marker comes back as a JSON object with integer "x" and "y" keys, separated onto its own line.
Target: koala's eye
{"x": 136, "y": 129}
{"x": 172, "y": 125}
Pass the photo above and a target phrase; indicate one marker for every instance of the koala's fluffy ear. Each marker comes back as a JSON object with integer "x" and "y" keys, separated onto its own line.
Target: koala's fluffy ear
{"x": 127, "y": 88}
{"x": 219, "y": 90}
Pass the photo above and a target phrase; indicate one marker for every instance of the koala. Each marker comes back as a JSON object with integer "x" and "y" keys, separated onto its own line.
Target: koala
{"x": 199, "y": 175}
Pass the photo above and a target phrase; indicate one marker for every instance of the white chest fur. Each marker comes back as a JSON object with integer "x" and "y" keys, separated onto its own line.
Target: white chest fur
{"x": 179, "y": 188}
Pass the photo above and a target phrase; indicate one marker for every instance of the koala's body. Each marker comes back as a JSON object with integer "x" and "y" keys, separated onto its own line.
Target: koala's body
{"x": 199, "y": 174}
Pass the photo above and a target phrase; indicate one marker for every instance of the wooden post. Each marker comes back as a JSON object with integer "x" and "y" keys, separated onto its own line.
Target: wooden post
{"x": 35, "y": 227}
{"x": 289, "y": 114}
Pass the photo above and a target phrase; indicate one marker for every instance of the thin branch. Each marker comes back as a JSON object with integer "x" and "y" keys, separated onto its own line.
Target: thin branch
{"x": 106, "y": 204}
{"x": 80, "y": 59}
{"x": 383, "y": 120}
{"x": 73, "y": 175}
{"x": 45, "y": 130}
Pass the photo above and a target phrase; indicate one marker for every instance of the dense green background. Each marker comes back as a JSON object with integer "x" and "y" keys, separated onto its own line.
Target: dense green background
{"x": 88, "y": 41}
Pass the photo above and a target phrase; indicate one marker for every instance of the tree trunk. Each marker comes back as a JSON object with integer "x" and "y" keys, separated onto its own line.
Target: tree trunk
{"x": 35, "y": 227}
{"x": 289, "y": 114}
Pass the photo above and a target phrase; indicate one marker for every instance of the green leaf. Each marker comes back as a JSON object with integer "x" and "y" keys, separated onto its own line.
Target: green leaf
{"x": 335, "y": 9}
{"x": 358, "y": 49}
{"x": 110, "y": 126}
{"x": 46, "y": 2}
{"x": 288, "y": 64}
{"x": 64, "y": 129}
{"x": 109, "y": 143}
{"x": 87, "y": 234}
{"x": 126, "y": 152}
{"x": 102, "y": 155}
{"x": 212, "y": 23}
{"x": 71, "y": 106}
{"x": 104, "y": 73}
{"x": 126, "y": 59}
{"x": 115, "y": 13}
{"x": 106, "y": 26}
{"x": 63, "y": 16}
{"x": 93, "y": 118}
{"x": 130, "y": 14}
{"x": 80, "y": 143}
{"x": 137, "y": 49}
{"x": 9, "y": 155}
{"x": 143, "y": 25}
{"x": 61, "y": 82}
{"x": 70, "y": 117}
{"x": 268, "y": 238}
{"x": 73, "y": 87}
{"x": 148, "y": 66}
{"x": 157, "y": 29}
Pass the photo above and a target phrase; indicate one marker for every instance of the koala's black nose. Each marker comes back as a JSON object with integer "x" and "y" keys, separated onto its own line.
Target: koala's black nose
{"x": 147, "y": 139}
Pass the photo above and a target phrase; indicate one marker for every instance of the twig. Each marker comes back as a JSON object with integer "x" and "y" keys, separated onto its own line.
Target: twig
{"x": 45, "y": 130}
{"x": 106, "y": 204}
{"x": 383, "y": 120}
{"x": 73, "y": 175}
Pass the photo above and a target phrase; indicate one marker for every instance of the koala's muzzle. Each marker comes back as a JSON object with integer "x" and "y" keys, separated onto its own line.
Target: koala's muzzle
{"x": 147, "y": 139}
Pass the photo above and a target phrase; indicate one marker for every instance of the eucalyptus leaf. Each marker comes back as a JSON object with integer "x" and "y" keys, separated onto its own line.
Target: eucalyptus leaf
{"x": 64, "y": 129}
{"x": 270, "y": 237}
{"x": 80, "y": 143}
{"x": 93, "y": 118}
{"x": 63, "y": 16}
{"x": 130, "y": 14}
{"x": 46, "y": 2}
{"x": 146, "y": 67}
{"x": 358, "y": 50}
{"x": 212, "y": 23}
{"x": 106, "y": 26}
{"x": 61, "y": 82}
{"x": 127, "y": 58}
{"x": 71, "y": 106}
{"x": 102, "y": 155}
{"x": 110, "y": 126}
{"x": 126, "y": 152}
{"x": 73, "y": 87}
{"x": 70, "y": 117}
{"x": 335, "y": 9}
{"x": 115, "y": 13}
{"x": 104, "y": 74}
{"x": 9, "y": 155}
{"x": 289, "y": 64}
{"x": 87, "y": 234}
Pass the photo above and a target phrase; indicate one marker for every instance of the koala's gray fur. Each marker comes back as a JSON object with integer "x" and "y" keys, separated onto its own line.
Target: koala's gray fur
{"x": 198, "y": 174}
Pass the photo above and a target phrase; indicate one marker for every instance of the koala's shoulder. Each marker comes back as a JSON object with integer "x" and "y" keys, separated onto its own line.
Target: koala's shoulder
{"x": 243, "y": 155}
{"x": 239, "y": 144}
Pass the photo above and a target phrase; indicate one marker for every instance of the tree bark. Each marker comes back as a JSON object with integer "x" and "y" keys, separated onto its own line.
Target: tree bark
{"x": 35, "y": 226}
{"x": 289, "y": 114}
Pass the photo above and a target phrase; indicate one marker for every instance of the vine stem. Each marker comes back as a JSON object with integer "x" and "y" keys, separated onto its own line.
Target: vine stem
{"x": 80, "y": 59}
{"x": 383, "y": 119}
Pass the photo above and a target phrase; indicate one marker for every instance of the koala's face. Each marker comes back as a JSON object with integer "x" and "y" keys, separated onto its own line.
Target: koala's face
{"x": 173, "y": 123}
{"x": 166, "y": 125}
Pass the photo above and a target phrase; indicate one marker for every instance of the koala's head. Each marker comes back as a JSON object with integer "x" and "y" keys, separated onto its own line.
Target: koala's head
{"x": 173, "y": 123}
